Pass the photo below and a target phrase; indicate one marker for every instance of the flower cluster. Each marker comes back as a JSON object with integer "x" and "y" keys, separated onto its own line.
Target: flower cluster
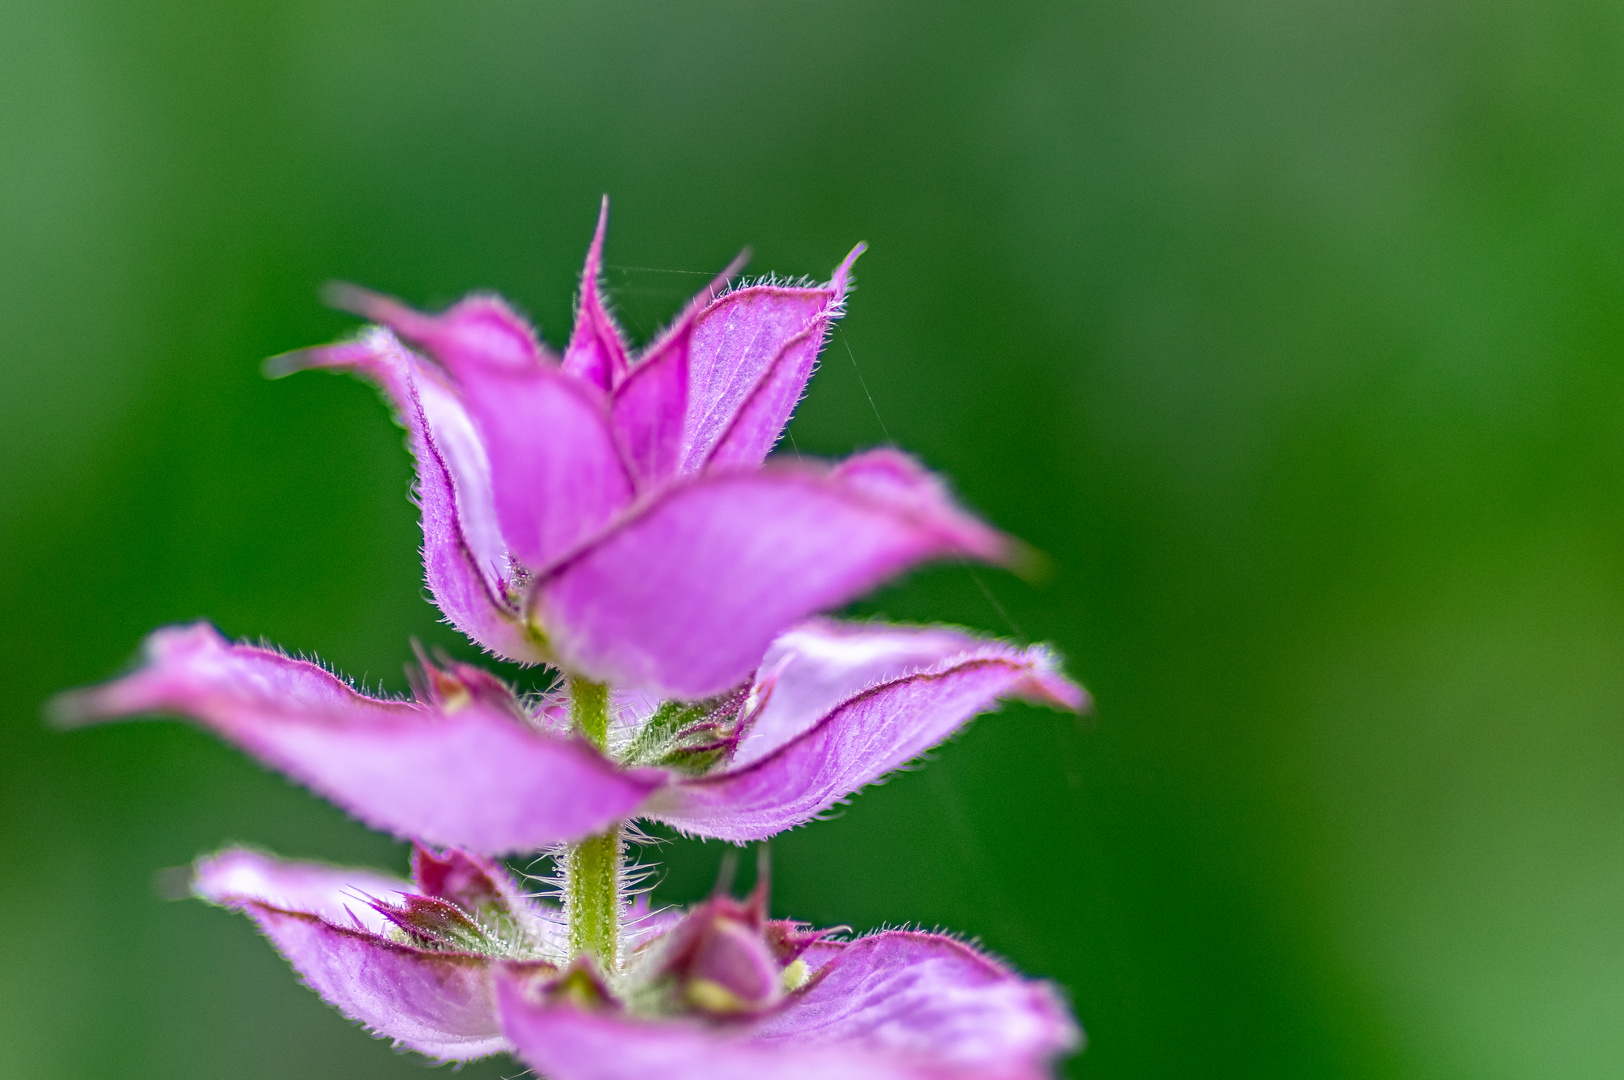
{"x": 615, "y": 516}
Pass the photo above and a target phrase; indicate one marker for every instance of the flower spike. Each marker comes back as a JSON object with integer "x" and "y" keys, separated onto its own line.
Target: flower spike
{"x": 613, "y": 514}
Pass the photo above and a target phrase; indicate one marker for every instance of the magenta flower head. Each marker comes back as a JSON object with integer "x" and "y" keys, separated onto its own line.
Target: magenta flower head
{"x": 613, "y": 516}
{"x": 609, "y": 513}
{"x": 671, "y": 563}
{"x": 459, "y": 963}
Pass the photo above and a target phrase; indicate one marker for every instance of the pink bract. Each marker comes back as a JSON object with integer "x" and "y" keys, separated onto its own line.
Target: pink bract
{"x": 460, "y": 767}
{"x": 613, "y": 514}
{"x": 334, "y": 926}
{"x": 832, "y": 708}
{"x": 897, "y": 1005}
{"x": 459, "y": 964}
{"x": 610, "y": 513}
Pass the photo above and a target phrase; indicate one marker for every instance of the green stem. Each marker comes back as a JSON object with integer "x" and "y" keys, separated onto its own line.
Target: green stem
{"x": 592, "y": 868}
{"x": 592, "y": 896}
{"x": 589, "y": 711}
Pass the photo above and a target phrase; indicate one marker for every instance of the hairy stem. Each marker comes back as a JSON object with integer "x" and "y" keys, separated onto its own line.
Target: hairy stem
{"x": 589, "y": 711}
{"x": 592, "y": 896}
{"x": 592, "y": 868}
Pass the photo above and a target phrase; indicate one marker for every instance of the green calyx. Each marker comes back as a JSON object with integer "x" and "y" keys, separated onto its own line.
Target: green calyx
{"x": 431, "y": 923}
{"x": 688, "y": 737}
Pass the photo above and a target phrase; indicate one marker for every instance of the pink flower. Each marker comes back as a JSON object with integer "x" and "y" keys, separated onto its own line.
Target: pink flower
{"x": 611, "y": 514}
{"x": 409, "y": 960}
{"x": 459, "y": 964}
{"x": 831, "y": 708}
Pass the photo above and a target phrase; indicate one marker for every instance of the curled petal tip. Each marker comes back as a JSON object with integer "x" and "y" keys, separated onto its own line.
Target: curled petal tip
{"x": 594, "y": 251}
{"x": 1047, "y": 685}
{"x": 284, "y": 364}
{"x": 377, "y": 308}
{"x": 1063, "y": 693}
{"x": 175, "y": 883}
{"x": 351, "y": 298}
{"x": 893, "y": 477}
{"x": 71, "y": 709}
{"x": 842, "y": 275}
{"x": 1024, "y": 561}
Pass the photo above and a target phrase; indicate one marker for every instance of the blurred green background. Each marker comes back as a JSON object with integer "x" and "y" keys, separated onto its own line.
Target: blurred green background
{"x": 1291, "y": 331}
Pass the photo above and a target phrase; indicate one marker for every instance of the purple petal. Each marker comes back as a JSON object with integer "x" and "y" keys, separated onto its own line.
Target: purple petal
{"x": 337, "y": 894}
{"x": 812, "y": 668}
{"x": 736, "y": 342}
{"x": 684, "y": 595}
{"x": 465, "y": 557}
{"x": 563, "y": 1042}
{"x": 895, "y": 480}
{"x": 474, "y": 336}
{"x": 924, "y": 995}
{"x": 895, "y": 1006}
{"x": 470, "y": 777}
{"x": 596, "y": 352}
{"x": 860, "y": 740}
{"x": 651, "y": 404}
{"x": 556, "y": 473}
{"x": 437, "y": 1003}
{"x": 648, "y": 408}
{"x": 555, "y": 469}
{"x": 764, "y": 413}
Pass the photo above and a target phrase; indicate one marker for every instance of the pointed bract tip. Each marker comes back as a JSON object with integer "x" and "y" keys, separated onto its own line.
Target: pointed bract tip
{"x": 284, "y": 364}
{"x": 351, "y": 298}
{"x": 1047, "y": 685}
{"x": 70, "y": 709}
{"x": 367, "y": 304}
{"x": 174, "y": 882}
{"x": 717, "y": 284}
{"x": 594, "y": 251}
{"x": 709, "y": 292}
{"x": 1026, "y": 562}
{"x": 841, "y": 278}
